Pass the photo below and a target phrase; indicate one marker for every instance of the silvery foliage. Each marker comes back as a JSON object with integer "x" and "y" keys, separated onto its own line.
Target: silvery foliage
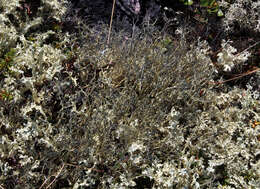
{"x": 216, "y": 139}
{"x": 245, "y": 13}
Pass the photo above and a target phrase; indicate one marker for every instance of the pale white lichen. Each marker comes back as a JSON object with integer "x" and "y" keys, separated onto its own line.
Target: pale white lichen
{"x": 245, "y": 13}
{"x": 168, "y": 133}
{"x": 228, "y": 59}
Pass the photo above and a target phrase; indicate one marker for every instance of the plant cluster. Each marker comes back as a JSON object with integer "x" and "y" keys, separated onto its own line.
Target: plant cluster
{"x": 241, "y": 14}
{"x": 143, "y": 111}
{"x": 211, "y": 5}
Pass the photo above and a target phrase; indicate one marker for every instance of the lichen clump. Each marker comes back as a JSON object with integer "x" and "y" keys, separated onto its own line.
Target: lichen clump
{"x": 144, "y": 111}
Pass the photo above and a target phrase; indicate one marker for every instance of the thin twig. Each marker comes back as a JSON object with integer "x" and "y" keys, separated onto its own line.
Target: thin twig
{"x": 237, "y": 77}
{"x": 56, "y": 176}
{"x": 248, "y": 48}
{"x": 111, "y": 21}
{"x": 44, "y": 183}
{"x": 1, "y": 187}
{"x": 53, "y": 179}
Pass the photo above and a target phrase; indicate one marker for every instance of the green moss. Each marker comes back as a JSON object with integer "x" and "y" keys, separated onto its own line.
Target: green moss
{"x": 7, "y": 61}
{"x": 4, "y": 95}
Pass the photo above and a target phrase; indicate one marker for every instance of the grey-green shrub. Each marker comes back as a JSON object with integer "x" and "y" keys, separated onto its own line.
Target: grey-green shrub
{"x": 139, "y": 109}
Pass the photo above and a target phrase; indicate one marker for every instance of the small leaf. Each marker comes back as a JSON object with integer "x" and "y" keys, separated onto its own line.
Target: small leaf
{"x": 220, "y": 13}
{"x": 212, "y": 10}
{"x": 213, "y": 4}
{"x": 188, "y": 2}
{"x": 204, "y": 3}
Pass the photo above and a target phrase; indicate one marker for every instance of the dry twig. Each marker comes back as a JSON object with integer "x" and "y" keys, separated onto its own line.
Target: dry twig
{"x": 238, "y": 76}
{"x": 111, "y": 21}
{"x": 53, "y": 179}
